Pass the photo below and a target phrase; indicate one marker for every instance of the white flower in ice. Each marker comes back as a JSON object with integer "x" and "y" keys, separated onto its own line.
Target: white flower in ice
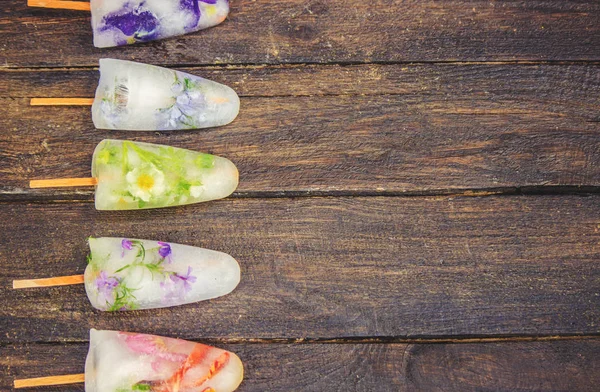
{"x": 196, "y": 191}
{"x": 145, "y": 182}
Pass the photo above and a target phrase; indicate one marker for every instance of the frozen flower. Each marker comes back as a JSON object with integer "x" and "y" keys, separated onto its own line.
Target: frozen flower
{"x": 109, "y": 112}
{"x": 192, "y": 8}
{"x": 196, "y": 191}
{"x": 176, "y": 116}
{"x": 164, "y": 250}
{"x": 154, "y": 346}
{"x": 146, "y": 182}
{"x": 188, "y": 102}
{"x": 184, "y": 280}
{"x": 144, "y": 344}
{"x": 126, "y": 244}
{"x": 171, "y": 294}
{"x": 106, "y": 284}
{"x": 135, "y": 22}
{"x": 177, "y": 87}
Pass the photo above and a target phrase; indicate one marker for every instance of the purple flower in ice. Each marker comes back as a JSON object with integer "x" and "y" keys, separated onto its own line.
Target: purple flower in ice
{"x": 193, "y": 8}
{"x": 187, "y": 108}
{"x": 177, "y": 287}
{"x": 175, "y": 117}
{"x": 106, "y": 284}
{"x": 138, "y": 22}
{"x": 177, "y": 88}
{"x": 186, "y": 102}
{"x": 164, "y": 250}
{"x": 184, "y": 280}
{"x": 126, "y": 244}
{"x": 172, "y": 295}
{"x": 110, "y": 111}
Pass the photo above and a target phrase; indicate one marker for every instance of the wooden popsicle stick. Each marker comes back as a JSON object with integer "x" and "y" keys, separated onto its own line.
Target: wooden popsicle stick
{"x": 60, "y": 4}
{"x": 52, "y": 380}
{"x": 63, "y": 182}
{"x": 61, "y": 101}
{"x": 48, "y": 282}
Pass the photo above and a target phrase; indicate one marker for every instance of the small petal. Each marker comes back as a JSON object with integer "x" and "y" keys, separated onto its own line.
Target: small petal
{"x": 127, "y": 244}
{"x": 164, "y": 250}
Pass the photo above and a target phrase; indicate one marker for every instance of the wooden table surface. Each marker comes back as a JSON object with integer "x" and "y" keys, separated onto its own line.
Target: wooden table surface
{"x": 419, "y": 205}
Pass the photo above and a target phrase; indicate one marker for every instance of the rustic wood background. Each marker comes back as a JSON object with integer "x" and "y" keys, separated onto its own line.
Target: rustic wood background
{"x": 419, "y": 206}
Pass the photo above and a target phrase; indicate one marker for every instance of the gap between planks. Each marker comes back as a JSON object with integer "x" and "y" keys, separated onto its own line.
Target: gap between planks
{"x": 15, "y": 197}
{"x": 359, "y": 340}
{"x": 251, "y": 66}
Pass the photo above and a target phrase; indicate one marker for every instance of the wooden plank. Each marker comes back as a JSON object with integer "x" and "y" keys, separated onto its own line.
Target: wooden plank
{"x": 534, "y": 366}
{"x": 575, "y": 87}
{"x": 427, "y": 129}
{"x": 318, "y": 31}
{"x": 328, "y": 267}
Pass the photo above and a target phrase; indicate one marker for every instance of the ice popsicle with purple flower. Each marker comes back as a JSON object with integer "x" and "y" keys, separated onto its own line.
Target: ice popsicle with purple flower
{"x": 130, "y": 274}
{"x": 122, "y": 22}
{"x": 127, "y": 274}
{"x": 124, "y": 361}
{"x": 140, "y": 97}
{"x": 135, "y": 175}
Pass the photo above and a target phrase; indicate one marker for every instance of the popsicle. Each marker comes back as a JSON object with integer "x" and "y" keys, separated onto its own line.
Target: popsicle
{"x": 141, "y": 97}
{"x": 130, "y": 274}
{"x": 134, "y": 175}
{"x": 122, "y": 361}
{"x": 135, "y": 96}
{"x": 122, "y": 22}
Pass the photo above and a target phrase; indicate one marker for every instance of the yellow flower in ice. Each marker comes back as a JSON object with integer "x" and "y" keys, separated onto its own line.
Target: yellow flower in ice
{"x": 145, "y": 182}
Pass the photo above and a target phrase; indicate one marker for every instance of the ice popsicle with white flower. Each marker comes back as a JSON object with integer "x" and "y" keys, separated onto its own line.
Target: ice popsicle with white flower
{"x": 124, "y": 361}
{"x": 140, "y": 97}
{"x": 134, "y": 175}
{"x": 131, "y": 274}
{"x": 122, "y": 22}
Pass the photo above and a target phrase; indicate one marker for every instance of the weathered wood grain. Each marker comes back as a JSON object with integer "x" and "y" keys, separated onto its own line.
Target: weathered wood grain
{"x": 536, "y": 366}
{"x": 371, "y": 128}
{"x": 319, "y": 31}
{"x": 575, "y": 87}
{"x": 330, "y": 106}
{"x": 328, "y": 267}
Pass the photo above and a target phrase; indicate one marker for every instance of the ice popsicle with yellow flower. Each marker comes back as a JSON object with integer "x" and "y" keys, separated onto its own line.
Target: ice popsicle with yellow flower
{"x": 140, "y": 97}
{"x": 131, "y": 274}
{"x": 122, "y": 22}
{"x": 125, "y": 361}
{"x": 134, "y": 175}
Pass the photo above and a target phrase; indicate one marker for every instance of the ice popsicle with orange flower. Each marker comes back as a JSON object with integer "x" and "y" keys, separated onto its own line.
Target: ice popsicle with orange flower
{"x": 122, "y": 361}
{"x": 134, "y": 175}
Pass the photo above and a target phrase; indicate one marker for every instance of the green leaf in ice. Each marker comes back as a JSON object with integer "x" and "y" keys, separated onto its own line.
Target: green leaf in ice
{"x": 205, "y": 161}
